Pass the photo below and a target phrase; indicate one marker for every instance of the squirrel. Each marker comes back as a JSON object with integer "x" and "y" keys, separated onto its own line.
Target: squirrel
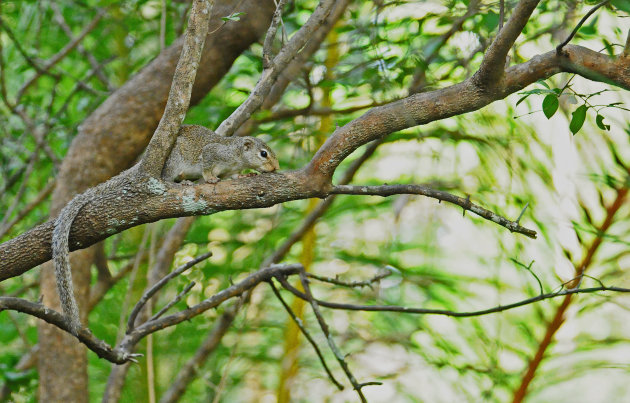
{"x": 198, "y": 152}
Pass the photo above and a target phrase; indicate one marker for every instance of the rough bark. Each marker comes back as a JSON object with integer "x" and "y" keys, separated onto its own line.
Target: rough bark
{"x": 110, "y": 140}
{"x": 148, "y": 200}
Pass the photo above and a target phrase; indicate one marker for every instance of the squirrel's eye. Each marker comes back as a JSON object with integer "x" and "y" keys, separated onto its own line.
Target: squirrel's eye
{"x": 263, "y": 153}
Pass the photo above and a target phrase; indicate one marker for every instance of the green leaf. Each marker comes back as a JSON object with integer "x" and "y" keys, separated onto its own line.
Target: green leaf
{"x": 537, "y": 91}
{"x": 622, "y": 5}
{"x": 600, "y": 122}
{"x": 550, "y": 105}
{"x": 524, "y": 97}
{"x": 233, "y": 17}
{"x": 577, "y": 120}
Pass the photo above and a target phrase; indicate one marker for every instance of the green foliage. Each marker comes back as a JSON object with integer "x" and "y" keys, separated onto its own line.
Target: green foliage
{"x": 577, "y": 118}
{"x": 442, "y": 258}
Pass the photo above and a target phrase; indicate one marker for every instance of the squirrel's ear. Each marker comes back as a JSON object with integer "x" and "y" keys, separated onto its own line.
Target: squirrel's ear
{"x": 248, "y": 143}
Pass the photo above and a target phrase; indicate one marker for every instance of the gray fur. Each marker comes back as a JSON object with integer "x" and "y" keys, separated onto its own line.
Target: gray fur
{"x": 61, "y": 258}
{"x": 199, "y": 152}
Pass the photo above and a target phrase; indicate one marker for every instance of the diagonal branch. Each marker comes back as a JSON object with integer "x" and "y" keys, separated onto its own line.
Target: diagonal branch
{"x": 465, "y": 203}
{"x": 61, "y": 54}
{"x": 134, "y": 202}
{"x": 276, "y": 66}
{"x": 300, "y": 325}
{"x": 157, "y": 286}
{"x": 493, "y": 65}
{"x": 179, "y": 96}
{"x": 331, "y": 342}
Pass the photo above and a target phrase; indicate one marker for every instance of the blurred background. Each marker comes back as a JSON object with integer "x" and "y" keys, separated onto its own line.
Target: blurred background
{"x": 521, "y": 151}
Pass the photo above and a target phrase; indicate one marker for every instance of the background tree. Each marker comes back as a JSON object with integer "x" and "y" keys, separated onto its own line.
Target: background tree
{"x": 374, "y": 93}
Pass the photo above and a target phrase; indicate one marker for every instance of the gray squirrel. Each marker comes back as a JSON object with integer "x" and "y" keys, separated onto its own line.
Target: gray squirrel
{"x": 198, "y": 153}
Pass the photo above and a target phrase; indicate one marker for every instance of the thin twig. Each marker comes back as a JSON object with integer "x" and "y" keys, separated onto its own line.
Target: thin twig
{"x": 331, "y": 342}
{"x": 96, "y": 66}
{"x": 464, "y": 203}
{"x": 28, "y": 208}
{"x": 175, "y": 300}
{"x": 351, "y": 284}
{"x": 445, "y": 312}
{"x": 157, "y": 286}
{"x": 578, "y": 26}
{"x": 306, "y": 334}
{"x": 61, "y": 54}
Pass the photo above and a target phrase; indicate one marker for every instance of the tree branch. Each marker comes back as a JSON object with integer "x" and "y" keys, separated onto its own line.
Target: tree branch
{"x": 279, "y": 63}
{"x": 131, "y": 201}
{"x": 578, "y": 26}
{"x": 181, "y": 89}
{"x": 446, "y": 312}
{"x": 331, "y": 342}
{"x": 157, "y": 286}
{"x": 465, "y": 203}
{"x": 493, "y": 65}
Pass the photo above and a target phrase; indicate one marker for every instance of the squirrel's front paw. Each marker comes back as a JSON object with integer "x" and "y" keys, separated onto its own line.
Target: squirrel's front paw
{"x": 211, "y": 179}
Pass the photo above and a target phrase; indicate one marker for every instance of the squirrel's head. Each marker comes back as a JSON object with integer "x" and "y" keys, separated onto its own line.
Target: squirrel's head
{"x": 259, "y": 156}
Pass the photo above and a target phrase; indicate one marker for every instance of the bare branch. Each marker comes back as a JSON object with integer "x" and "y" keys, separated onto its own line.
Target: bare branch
{"x": 271, "y": 34}
{"x": 300, "y": 325}
{"x": 331, "y": 342}
{"x": 158, "y": 286}
{"x": 175, "y": 300}
{"x": 55, "y": 318}
{"x": 235, "y": 290}
{"x": 351, "y": 284}
{"x": 270, "y": 74}
{"x": 61, "y": 54}
{"x": 492, "y": 66}
{"x": 181, "y": 88}
{"x": 465, "y": 203}
{"x": 96, "y": 67}
{"x": 39, "y": 198}
{"x": 579, "y": 25}
{"x": 446, "y": 312}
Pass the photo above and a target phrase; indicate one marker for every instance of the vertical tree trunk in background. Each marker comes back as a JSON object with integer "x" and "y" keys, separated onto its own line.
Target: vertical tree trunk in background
{"x": 109, "y": 141}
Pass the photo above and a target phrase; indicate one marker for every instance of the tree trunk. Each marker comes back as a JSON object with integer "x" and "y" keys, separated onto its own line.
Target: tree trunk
{"x": 109, "y": 141}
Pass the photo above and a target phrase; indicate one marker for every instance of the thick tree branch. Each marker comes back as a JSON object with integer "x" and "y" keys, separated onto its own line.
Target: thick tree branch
{"x": 129, "y": 202}
{"x": 181, "y": 89}
{"x": 492, "y": 66}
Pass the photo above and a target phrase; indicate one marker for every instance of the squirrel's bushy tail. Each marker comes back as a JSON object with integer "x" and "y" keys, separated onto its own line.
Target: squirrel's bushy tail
{"x": 60, "y": 252}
